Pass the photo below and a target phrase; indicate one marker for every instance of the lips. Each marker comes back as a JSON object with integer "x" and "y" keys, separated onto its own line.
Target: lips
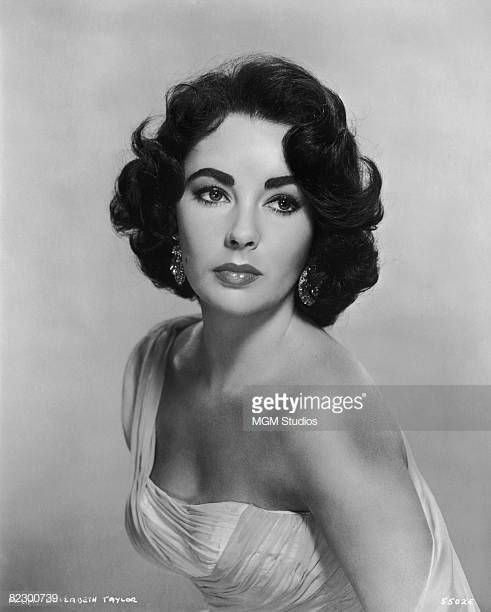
{"x": 236, "y": 276}
{"x": 231, "y": 267}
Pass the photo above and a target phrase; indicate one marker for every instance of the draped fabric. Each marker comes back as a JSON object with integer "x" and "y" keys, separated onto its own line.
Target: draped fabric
{"x": 242, "y": 557}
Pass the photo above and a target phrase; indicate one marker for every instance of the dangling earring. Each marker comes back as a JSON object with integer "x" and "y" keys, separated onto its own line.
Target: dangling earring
{"x": 307, "y": 291}
{"x": 176, "y": 266}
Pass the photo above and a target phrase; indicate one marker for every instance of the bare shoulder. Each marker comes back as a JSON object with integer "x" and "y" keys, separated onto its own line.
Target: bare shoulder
{"x": 345, "y": 366}
{"x": 321, "y": 359}
{"x": 355, "y": 444}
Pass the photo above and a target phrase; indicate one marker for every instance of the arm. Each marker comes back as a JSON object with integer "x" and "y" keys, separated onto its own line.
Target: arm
{"x": 358, "y": 488}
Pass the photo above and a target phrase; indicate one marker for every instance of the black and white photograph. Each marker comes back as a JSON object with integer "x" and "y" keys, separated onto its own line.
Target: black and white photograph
{"x": 245, "y": 286}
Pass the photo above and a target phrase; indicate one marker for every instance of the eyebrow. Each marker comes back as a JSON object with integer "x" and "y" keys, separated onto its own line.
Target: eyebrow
{"x": 228, "y": 179}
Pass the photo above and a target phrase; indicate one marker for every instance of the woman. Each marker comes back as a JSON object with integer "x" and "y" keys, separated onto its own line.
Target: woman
{"x": 253, "y": 198}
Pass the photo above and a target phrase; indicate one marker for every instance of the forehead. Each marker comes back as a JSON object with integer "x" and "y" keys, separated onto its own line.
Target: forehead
{"x": 241, "y": 145}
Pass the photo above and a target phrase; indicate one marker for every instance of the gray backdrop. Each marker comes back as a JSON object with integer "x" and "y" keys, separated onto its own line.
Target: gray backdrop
{"x": 77, "y": 77}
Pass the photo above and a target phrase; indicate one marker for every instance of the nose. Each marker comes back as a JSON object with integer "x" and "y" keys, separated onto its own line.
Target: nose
{"x": 243, "y": 232}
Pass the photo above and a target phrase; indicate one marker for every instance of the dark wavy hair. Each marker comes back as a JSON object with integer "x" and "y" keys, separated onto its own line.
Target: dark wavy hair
{"x": 341, "y": 186}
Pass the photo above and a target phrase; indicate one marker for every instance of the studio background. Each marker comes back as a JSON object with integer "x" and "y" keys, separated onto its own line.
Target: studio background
{"x": 77, "y": 78}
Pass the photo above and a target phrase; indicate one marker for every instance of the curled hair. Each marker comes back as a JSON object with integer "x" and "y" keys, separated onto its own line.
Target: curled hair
{"x": 341, "y": 186}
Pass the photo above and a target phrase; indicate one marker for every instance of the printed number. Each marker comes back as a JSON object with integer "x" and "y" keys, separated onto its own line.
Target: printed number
{"x": 456, "y": 601}
{"x": 32, "y": 598}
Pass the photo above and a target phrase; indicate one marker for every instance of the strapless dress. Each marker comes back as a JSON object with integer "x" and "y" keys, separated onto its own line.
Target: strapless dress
{"x": 240, "y": 556}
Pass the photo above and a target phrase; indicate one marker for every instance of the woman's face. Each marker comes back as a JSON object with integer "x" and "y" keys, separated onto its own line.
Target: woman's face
{"x": 244, "y": 227}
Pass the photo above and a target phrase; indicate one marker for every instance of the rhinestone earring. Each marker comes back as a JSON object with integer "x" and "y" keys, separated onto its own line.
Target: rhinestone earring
{"x": 176, "y": 266}
{"x": 307, "y": 291}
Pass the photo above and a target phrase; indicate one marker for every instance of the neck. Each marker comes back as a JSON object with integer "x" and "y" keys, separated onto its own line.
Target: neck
{"x": 236, "y": 349}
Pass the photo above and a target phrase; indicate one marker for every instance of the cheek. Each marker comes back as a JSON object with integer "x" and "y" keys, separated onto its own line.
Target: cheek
{"x": 197, "y": 238}
{"x": 298, "y": 242}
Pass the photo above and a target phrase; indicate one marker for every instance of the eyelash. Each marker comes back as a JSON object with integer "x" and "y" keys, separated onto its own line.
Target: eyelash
{"x": 294, "y": 204}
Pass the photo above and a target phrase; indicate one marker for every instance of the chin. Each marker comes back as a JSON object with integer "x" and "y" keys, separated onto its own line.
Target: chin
{"x": 238, "y": 307}
{"x": 247, "y": 301}
{"x": 238, "y": 303}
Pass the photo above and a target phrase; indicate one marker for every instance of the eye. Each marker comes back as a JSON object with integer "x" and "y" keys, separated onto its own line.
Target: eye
{"x": 284, "y": 204}
{"x": 211, "y": 196}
